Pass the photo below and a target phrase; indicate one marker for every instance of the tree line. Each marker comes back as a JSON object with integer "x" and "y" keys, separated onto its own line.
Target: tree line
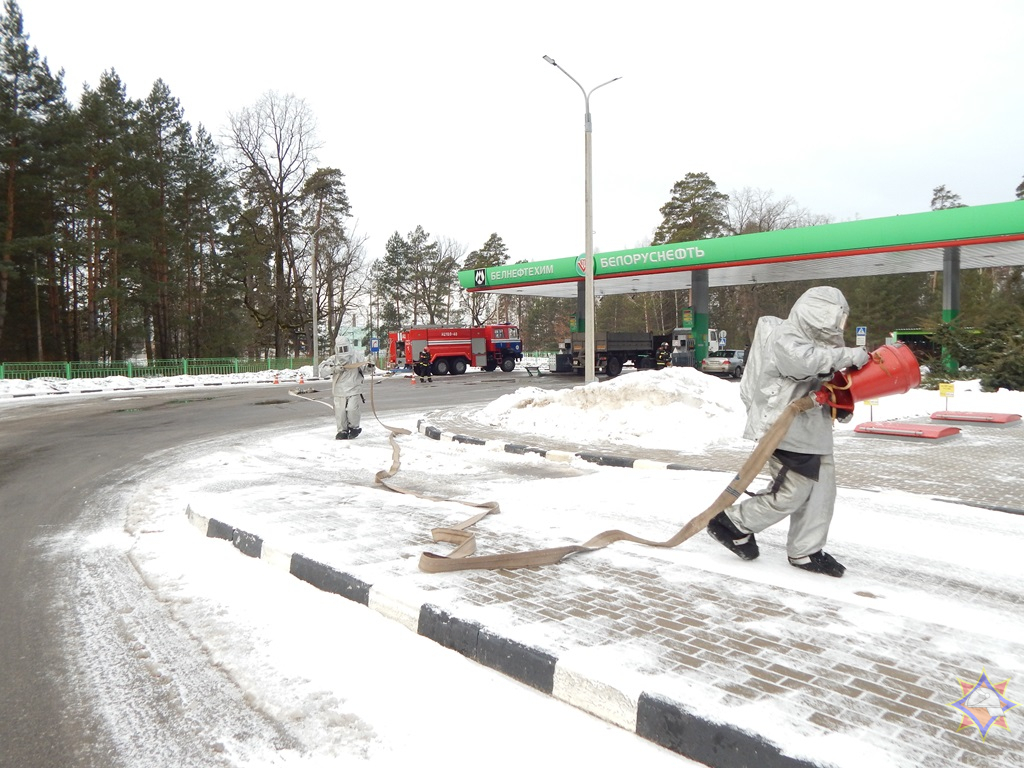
{"x": 129, "y": 233}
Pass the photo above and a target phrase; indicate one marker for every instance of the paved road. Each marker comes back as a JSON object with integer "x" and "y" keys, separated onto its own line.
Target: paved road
{"x": 62, "y": 462}
{"x": 57, "y": 462}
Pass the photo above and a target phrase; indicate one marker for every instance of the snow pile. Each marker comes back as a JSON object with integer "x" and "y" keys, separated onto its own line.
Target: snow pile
{"x": 659, "y": 408}
{"x": 682, "y": 407}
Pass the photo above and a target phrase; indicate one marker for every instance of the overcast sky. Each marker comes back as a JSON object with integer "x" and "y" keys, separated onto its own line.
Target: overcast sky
{"x": 443, "y": 114}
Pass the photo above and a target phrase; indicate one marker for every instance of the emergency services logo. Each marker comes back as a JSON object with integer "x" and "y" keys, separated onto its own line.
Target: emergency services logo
{"x": 581, "y": 265}
{"x": 480, "y": 278}
{"x": 983, "y": 705}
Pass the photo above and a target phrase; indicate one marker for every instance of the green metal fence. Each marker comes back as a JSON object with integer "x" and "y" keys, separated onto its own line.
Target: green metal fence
{"x": 192, "y": 366}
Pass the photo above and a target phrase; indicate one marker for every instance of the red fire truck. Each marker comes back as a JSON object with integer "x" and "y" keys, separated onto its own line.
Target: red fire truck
{"x": 453, "y": 350}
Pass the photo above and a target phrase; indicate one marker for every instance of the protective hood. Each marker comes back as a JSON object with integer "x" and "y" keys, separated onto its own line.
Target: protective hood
{"x": 820, "y": 315}
{"x": 790, "y": 359}
{"x": 344, "y": 351}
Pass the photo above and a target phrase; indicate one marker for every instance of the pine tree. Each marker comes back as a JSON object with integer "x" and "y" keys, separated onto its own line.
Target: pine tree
{"x": 162, "y": 143}
{"x": 545, "y": 323}
{"x": 697, "y": 211}
{"x": 31, "y": 98}
{"x": 112, "y": 258}
{"x": 433, "y": 268}
{"x": 339, "y": 269}
{"x": 390, "y": 276}
{"x": 212, "y": 318}
{"x": 943, "y": 198}
{"x": 482, "y": 307}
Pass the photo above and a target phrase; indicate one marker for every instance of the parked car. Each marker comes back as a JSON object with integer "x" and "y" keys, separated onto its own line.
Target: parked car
{"x": 724, "y": 362}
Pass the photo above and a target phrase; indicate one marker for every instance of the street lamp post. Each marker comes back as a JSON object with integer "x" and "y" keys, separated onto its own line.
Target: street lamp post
{"x": 588, "y": 205}
{"x": 316, "y": 340}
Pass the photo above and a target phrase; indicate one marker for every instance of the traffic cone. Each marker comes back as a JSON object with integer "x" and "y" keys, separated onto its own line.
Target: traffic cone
{"x": 275, "y": 378}
{"x": 412, "y": 380}
{"x": 301, "y": 379}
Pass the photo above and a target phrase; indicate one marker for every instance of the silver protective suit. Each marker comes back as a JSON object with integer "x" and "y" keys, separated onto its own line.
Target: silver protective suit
{"x": 347, "y": 369}
{"x": 793, "y": 357}
{"x": 789, "y": 359}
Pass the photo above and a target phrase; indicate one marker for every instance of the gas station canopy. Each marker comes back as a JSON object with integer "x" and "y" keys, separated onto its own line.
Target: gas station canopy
{"x": 986, "y": 236}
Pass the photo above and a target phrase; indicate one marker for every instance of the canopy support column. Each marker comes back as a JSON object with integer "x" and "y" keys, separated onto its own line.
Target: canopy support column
{"x": 950, "y": 296}
{"x": 700, "y": 301}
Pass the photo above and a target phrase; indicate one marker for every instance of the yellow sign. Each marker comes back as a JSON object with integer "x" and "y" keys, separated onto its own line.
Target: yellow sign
{"x": 946, "y": 390}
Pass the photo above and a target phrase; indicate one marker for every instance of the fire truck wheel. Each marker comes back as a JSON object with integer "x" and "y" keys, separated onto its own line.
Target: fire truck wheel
{"x": 507, "y": 365}
{"x": 458, "y": 366}
{"x": 490, "y": 366}
{"x": 441, "y": 366}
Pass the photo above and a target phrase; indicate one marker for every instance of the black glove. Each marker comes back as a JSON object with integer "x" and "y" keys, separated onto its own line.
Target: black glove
{"x": 843, "y": 416}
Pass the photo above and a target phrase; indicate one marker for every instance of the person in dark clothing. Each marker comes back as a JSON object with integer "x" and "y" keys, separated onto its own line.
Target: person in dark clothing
{"x": 423, "y": 366}
{"x": 663, "y": 357}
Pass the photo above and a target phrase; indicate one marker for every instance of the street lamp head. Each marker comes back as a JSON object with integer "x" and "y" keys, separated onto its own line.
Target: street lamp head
{"x": 550, "y": 61}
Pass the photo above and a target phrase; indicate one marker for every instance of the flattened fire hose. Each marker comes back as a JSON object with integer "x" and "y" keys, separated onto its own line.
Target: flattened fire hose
{"x": 464, "y": 556}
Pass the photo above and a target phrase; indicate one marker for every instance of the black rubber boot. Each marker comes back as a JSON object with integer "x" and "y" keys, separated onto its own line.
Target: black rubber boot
{"x": 725, "y": 532}
{"x": 341, "y": 436}
{"x": 819, "y": 562}
{"x": 352, "y": 432}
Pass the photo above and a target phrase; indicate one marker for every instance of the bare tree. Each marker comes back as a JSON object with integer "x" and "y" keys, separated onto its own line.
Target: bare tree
{"x": 736, "y": 308}
{"x": 345, "y": 277}
{"x": 450, "y": 254}
{"x": 274, "y": 148}
{"x": 755, "y": 210}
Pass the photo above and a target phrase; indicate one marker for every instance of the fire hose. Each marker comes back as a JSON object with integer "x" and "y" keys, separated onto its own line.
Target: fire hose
{"x": 464, "y": 556}
{"x": 891, "y": 370}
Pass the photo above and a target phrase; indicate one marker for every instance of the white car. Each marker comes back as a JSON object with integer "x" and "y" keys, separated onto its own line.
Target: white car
{"x": 724, "y": 362}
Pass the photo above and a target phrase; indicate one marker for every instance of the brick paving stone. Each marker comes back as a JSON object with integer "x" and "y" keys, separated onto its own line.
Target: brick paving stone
{"x": 764, "y": 686}
{"x": 781, "y": 669}
{"x": 763, "y": 674}
{"x": 743, "y": 691}
{"x": 743, "y": 647}
{"x": 714, "y": 658}
{"x": 890, "y": 706}
{"x": 828, "y": 723}
{"x": 875, "y": 688}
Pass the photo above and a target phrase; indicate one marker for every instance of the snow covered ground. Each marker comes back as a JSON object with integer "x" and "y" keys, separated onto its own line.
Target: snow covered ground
{"x": 306, "y": 658}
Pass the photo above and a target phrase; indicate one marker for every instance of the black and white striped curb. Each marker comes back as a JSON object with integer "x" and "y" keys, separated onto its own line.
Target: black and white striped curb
{"x": 605, "y": 460}
{"x": 651, "y": 716}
